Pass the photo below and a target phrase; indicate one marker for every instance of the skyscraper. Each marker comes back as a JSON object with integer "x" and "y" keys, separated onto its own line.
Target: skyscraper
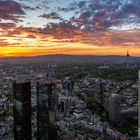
{"x": 99, "y": 91}
{"x": 70, "y": 86}
{"x": 45, "y": 104}
{"x": 114, "y": 108}
{"x": 139, "y": 105}
{"x": 22, "y": 111}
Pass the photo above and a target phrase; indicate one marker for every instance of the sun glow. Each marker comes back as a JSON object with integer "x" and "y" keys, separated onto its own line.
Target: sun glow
{"x": 31, "y": 43}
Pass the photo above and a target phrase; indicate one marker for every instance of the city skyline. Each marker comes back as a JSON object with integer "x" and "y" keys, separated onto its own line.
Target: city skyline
{"x": 80, "y": 27}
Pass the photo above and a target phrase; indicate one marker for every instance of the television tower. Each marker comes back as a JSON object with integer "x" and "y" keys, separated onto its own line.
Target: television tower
{"x": 127, "y": 59}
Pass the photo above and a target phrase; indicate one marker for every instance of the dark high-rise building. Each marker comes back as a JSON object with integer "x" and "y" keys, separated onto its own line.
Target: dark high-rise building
{"x": 115, "y": 108}
{"x": 22, "y": 111}
{"x": 139, "y": 105}
{"x": 70, "y": 86}
{"x": 45, "y": 104}
{"x": 99, "y": 92}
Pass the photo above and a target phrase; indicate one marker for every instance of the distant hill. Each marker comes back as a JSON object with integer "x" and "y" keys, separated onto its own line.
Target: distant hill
{"x": 71, "y": 59}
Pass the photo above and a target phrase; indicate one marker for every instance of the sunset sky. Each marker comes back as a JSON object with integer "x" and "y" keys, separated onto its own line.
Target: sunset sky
{"x": 95, "y": 27}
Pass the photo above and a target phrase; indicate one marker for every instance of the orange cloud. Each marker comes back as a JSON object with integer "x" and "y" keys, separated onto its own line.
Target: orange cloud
{"x": 65, "y": 40}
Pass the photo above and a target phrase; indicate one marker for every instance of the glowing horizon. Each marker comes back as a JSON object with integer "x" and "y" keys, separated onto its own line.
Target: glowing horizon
{"x": 8, "y": 52}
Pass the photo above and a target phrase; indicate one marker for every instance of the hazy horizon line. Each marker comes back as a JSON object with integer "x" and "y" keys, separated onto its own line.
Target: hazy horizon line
{"x": 68, "y": 55}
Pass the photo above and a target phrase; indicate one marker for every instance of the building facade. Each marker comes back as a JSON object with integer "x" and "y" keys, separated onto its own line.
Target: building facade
{"x": 45, "y": 107}
{"x": 115, "y": 108}
{"x": 22, "y": 111}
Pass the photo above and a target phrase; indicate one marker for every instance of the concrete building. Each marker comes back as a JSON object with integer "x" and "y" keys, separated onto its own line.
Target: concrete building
{"x": 96, "y": 118}
{"x": 99, "y": 90}
{"x": 82, "y": 135}
{"x": 114, "y": 108}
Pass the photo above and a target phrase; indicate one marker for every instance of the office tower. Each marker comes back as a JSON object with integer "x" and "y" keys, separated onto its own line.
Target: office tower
{"x": 114, "y": 108}
{"x": 101, "y": 92}
{"x": 64, "y": 105}
{"x": 139, "y": 105}
{"x": 45, "y": 105}
{"x": 51, "y": 97}
{"x": 70, "y": 86}
{"x": 98, "y": 95}
{"x": 22, "y": 111}
{"x": 62, "y": 108}
{"x": 42, "y": 113}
